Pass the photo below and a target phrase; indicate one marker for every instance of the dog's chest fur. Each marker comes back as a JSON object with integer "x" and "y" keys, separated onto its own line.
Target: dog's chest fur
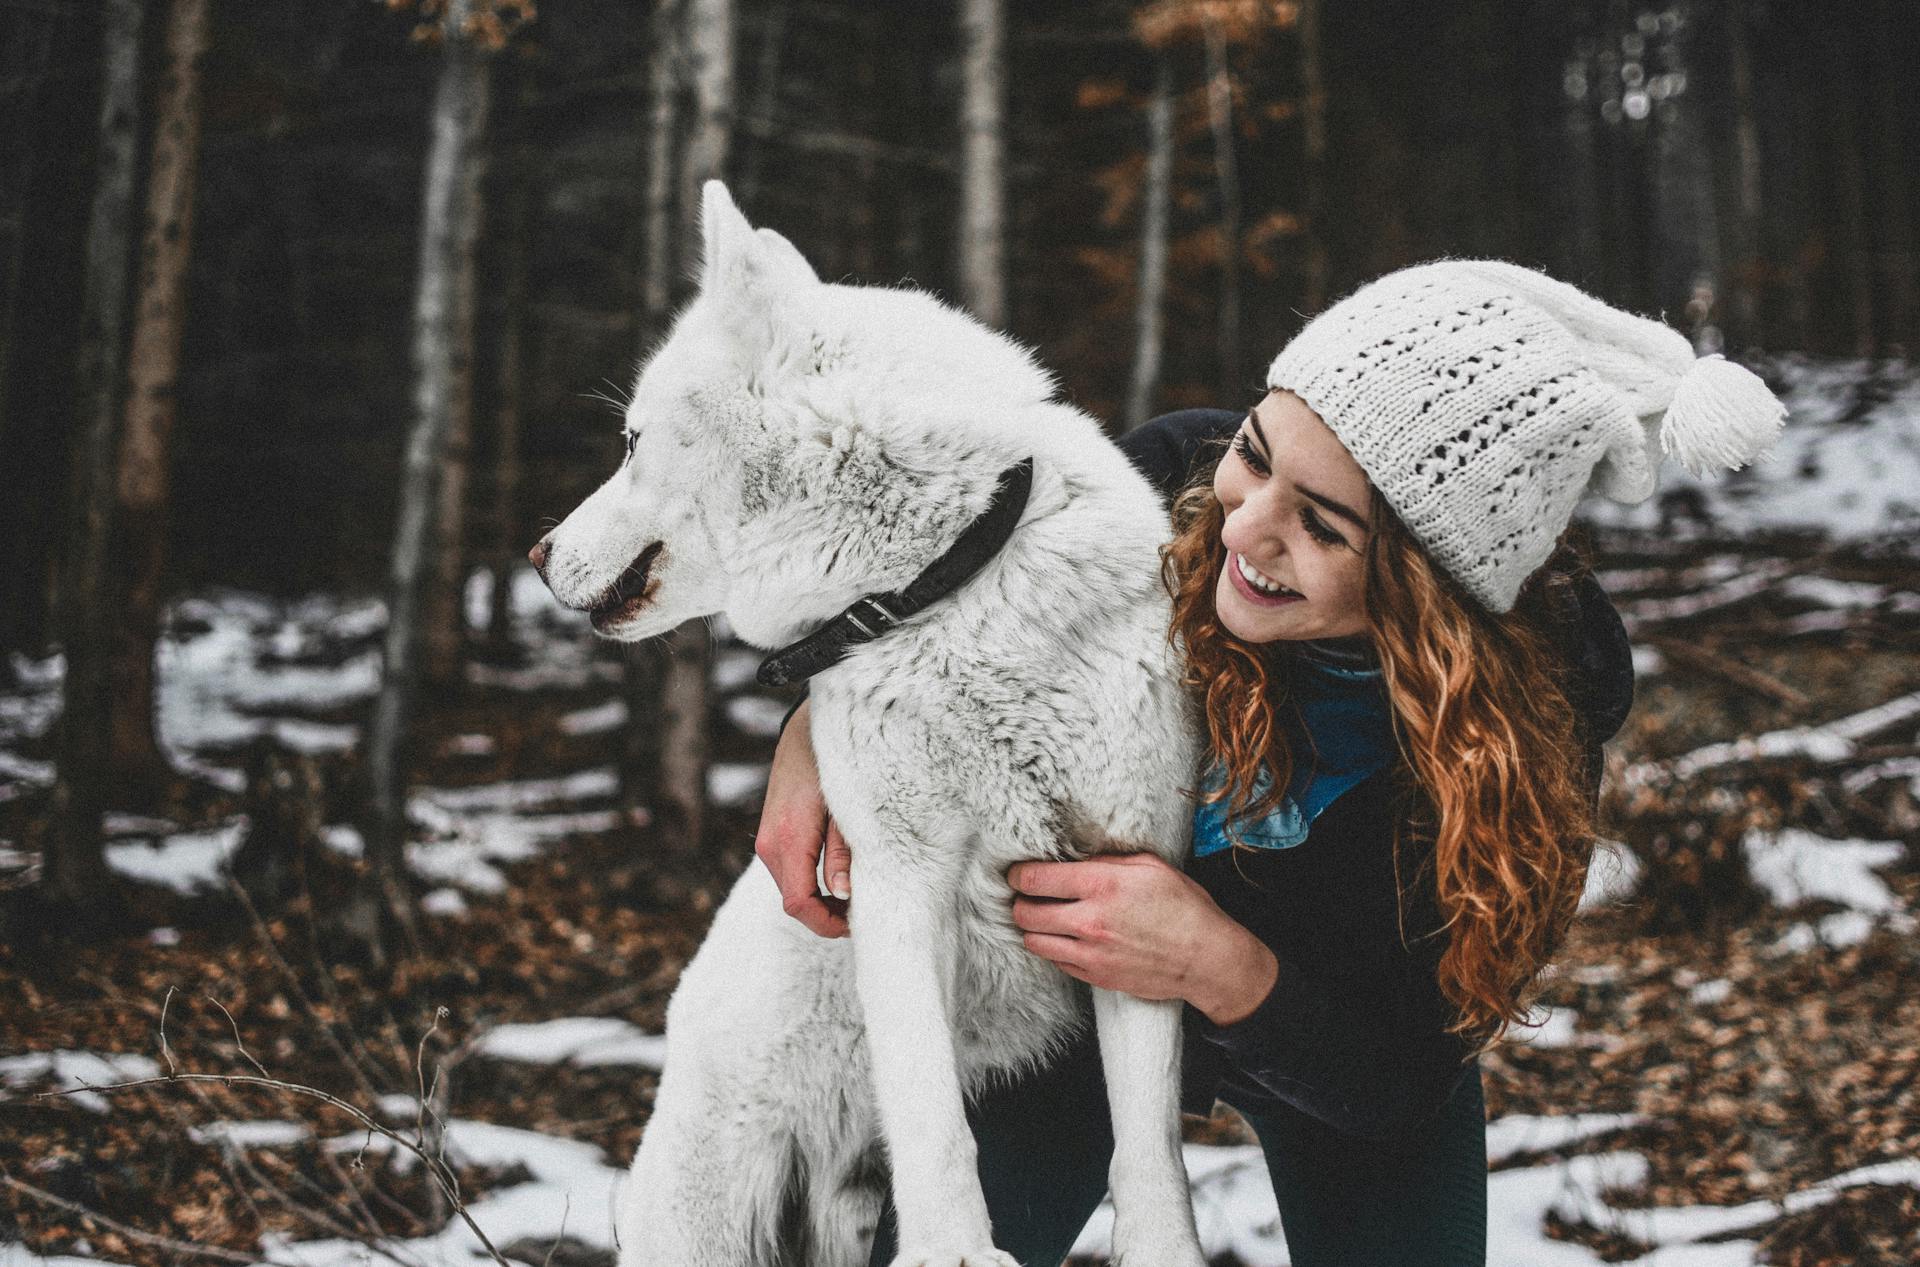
{"x": 988, "y": 730}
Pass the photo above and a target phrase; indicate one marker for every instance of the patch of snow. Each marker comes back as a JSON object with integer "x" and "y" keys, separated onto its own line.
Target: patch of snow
{"x": 251, "y": 1134}
{"x": 1648, "y": 662}
{"x": 469, "y": 860}
{"x": 214, "y": 691}
{"x": 70, "y": 1070}
{"x": 735, "y": 782}
{"x": 525, "y": 794}
{"x": 344, "y": 839}
{"x": 579, "y": 1040}
{"x": 598, "y": 720}
{"x": 189, "y": 862}
{"x": 1846, "y": 479}
{"x": 1518, "y": 1133}
{"x": 1557, "y": 1030}
{"x": 1709, "y": 993}
{"x": 164, "y": 936}
{"x": 572, "y": 1190}
{"x": 757, "y": 715}
{"x": 1795, "y": 866}
{"x": 444, "y": 902}
{"x": 471, "y": 746}
{"x": 1825, "y": 591}
{"x": 734, "y": 668}
{"x": 25, "y": 769}
{"x": 14, "y": 1254}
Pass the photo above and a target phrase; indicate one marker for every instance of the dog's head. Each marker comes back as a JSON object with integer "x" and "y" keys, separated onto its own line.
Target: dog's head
{"x": 789, "y": 447}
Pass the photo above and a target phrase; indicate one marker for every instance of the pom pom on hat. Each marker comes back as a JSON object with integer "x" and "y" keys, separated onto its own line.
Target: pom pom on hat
{"x": 1722, "y": 415}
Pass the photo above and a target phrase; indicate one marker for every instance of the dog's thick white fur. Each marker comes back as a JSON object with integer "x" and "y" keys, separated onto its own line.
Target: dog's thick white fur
{"x": 794, "y": 445}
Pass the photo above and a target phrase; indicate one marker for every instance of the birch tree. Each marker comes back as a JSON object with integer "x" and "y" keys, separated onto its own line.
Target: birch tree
{"x": 1156, "y": 202}
{"x": 143, "y": 478}
{"x": 983, "y": 196}
{"x": 73, "y": 864}
{"x": 449, "y": 224}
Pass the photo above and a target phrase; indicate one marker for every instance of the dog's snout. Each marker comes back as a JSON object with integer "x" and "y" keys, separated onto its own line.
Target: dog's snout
{"x": 538, "y": 555}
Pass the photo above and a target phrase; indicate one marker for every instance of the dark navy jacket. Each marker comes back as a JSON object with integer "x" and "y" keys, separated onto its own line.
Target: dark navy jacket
{"x": 1355, "y": 1029}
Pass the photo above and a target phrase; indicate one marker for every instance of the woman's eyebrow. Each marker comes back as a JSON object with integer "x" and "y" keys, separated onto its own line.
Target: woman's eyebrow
{"x": 1254, "y": 422}
{"x": 1339, "y": 508}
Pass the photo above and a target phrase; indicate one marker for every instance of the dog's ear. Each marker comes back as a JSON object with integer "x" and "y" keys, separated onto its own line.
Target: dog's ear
{"x": 756, "y": 263}
{"x": 783, "y": 258}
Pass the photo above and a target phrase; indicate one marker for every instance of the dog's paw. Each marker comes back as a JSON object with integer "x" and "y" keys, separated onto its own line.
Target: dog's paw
{"x": 988, "y": 1257}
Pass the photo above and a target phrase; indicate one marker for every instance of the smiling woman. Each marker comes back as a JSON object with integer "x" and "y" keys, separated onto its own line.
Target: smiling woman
{"x": 1405, "y": 678}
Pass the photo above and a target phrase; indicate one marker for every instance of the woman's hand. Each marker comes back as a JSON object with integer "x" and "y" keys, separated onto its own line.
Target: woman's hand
{"x": 793, "y": 824}
{"x": 1131, "y": 922}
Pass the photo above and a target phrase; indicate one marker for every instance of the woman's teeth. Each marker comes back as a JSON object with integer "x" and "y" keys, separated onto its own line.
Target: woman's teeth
{"x": 1259, "y": 580}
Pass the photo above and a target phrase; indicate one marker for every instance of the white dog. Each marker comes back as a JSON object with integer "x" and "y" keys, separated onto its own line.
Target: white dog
{"x": 792, "y": 447}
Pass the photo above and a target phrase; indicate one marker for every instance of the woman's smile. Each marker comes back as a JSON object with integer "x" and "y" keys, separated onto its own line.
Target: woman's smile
{"x": 1257, "y": 587}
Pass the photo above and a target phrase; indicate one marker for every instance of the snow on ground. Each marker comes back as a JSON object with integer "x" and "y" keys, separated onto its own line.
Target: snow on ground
{"x": 1852, "y": 480}
{"x": 186, "y": 862}
{"x": 1795, "y": 866}
{"x": 571, "y": 1192}
{"x": 586, "y": 1041}
{"x": 69, "y": 1070}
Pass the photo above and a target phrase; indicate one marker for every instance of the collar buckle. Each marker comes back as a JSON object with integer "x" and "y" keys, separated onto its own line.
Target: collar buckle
{"x": 875, "y": 611}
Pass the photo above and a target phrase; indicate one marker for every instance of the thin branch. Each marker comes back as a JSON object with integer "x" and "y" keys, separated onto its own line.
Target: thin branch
{"x": 133, "y": 1233}
{"x": 235, "y": 1026}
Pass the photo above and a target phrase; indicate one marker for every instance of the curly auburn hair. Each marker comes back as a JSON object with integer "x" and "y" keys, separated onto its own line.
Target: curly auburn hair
{"x": 1492, "y": 765}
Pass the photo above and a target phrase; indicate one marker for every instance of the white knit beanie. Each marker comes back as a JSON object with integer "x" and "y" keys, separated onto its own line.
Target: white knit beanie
{"x": 1483, "y": 399}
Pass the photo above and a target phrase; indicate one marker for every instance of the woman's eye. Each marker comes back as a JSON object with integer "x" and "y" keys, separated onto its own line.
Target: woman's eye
{"x": 1319, "y": 530}
{"x": 1244, "y": 447}
{"x": 633, "y": 438}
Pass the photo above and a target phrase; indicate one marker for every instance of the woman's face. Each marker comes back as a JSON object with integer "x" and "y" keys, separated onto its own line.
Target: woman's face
{"x": 1296, "y": 528}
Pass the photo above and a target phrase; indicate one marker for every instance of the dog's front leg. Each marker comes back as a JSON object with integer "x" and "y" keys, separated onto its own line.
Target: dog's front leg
{"x": 1152, "y": 1204}
{"x": 900, "y": 946}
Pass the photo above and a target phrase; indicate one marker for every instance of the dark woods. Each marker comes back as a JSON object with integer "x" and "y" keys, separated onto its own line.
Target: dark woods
{"x": 266, "y": 321}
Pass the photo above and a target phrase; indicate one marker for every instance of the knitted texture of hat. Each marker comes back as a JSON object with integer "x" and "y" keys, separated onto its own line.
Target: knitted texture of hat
{"x": 1483, "y": 399}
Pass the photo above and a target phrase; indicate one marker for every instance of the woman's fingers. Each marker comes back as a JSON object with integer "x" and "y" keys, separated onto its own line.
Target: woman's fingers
{"x": 839, "y": 863}
{"x": 1057, "y": 879}
{"x": 1042, "y": 915}
{"x": 793, "y": 824}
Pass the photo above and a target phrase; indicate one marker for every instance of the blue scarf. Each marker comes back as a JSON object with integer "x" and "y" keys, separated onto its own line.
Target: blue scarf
{"x": 1341, "y": 735}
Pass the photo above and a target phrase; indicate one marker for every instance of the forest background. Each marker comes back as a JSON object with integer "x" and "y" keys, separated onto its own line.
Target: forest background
{"x": 311, "y": 314}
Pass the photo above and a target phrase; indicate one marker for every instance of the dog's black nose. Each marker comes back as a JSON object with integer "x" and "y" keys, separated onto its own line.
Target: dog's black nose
{"x": 538, "y": 555}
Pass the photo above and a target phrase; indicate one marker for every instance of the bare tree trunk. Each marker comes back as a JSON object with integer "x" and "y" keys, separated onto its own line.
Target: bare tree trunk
{"x": 1747, "y": 247}
{"x": 1856, "y": 260}
{"x": 1227, "y": 173}
{"x": 448, "y": 224}
{"x": 685, "y": 745}
{"x": 153, "y": 373}
{"x": 766, "y": 102}
{"x": 1150, "y": 293}
{"x": 73, "y": 864}
{"x": 510, "y": 383}
{"x": 983, "y": 182}
{"x": 643, "y": 664}
{"x": 1890, "y": 72}
{"x": 443, "y": 616}
{"x": 1313, "y": 120}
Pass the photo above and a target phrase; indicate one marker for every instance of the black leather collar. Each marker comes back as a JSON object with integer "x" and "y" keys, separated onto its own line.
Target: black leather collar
{"x": 874, "y": 614}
